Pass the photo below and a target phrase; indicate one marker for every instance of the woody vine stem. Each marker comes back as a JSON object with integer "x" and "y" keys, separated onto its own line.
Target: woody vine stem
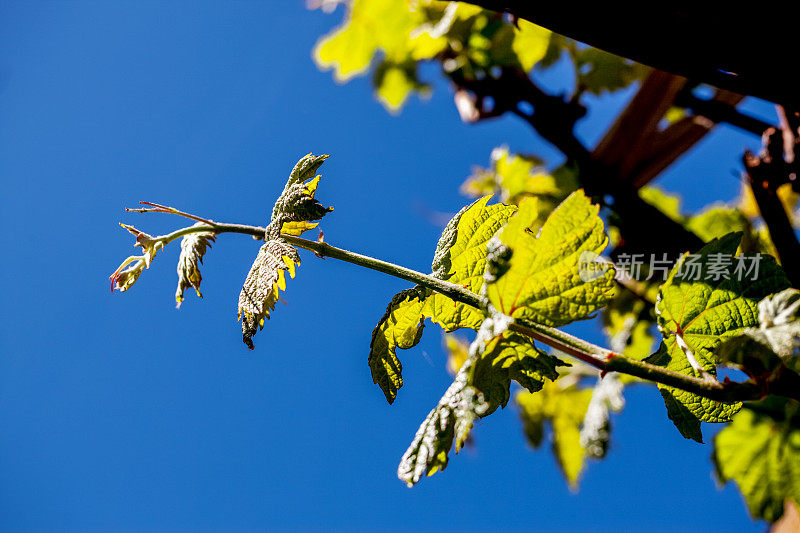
{"x": 601, "y": 358}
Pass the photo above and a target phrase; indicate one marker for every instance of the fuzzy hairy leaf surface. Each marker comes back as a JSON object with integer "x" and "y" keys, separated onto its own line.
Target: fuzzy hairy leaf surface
{"x": 762, "y": 456}
{"x": 400, "y": 327}
{"x": 563, "y": 409}
{"x": 700, "y": 307}
{"x": 193, "y": 248}
{"x": 293, "y": 211}
{"x": 493, "y": 360}
{"x": 544, "y": 281}
{"x": 451, "y": 420}
{"x": 261, "y": 290}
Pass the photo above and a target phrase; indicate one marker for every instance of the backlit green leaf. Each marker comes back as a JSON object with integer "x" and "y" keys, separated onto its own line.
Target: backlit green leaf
{"x": 553, "y": 277}
{"x": 460, "y": 258}
{"x": 563, "y": 409}
{"x": 508, "y": 357}
{"x": 530, "y": 44}
{"x": 703, "y": 302}
{"x": 395, "y": 29}
{"x": 762, "y": 455}
{"x": 400, "y": 327}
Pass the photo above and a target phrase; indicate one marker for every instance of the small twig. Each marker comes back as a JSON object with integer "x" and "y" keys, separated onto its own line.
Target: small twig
{"x": 158, "y": 208}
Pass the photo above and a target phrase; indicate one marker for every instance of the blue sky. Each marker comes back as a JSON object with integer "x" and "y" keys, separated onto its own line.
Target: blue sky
{"x": 118, "y": 412}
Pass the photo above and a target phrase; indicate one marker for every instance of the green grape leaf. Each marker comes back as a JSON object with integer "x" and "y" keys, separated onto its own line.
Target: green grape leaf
{"x": 508, "y": 357}
{"x": 394, "y": 82}
{"x": 564, "y": 410}
{"x": 193, "y": 248}
{"x": 530, "y": 44}
{"x": 704, "y": 301}
{"x": 711, "y": 223}
{"x": 405, "y": 37}
{"x": 400, "y": 327}
{"x": 460, "y": 258}
{"x": 686, "y": 421}
{"x": 516, "y": 176}
{"x": 774, "y": 342}
{"x": 717, "y": 221}
{"x": 762, "y": 455}
{"x": 553, "y": 277}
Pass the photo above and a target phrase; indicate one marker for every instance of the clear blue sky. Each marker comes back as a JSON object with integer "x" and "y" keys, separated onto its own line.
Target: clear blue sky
{"x": 118, "y": 412}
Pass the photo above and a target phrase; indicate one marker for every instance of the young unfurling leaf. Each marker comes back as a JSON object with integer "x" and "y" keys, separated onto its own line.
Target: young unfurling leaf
{"x": 123, "y": 278}
{"x": 777, "y": 337}
{"x": 482, "y": 384}
{"x": 293, "y": 210}
{"x": 261, "y": 290}
{"x": 428, "y": 452}
{"x": 193, "y": 248}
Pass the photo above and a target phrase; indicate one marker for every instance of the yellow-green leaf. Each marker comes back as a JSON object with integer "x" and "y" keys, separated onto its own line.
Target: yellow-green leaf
{"x": 703, "y": 302}
{"x": 762, "y": 455}
{"x": 564, "y": 410}
{"x": 530, "y": 44}
{"x": 460, "y": 258}
{"x": 508, "y": 357}
{"x": 554, "y": 278}
{"x": 400, "y": 327}
{"x": 372, "y": 27}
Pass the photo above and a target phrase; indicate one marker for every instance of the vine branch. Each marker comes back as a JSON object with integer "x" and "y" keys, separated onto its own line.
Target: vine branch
{"x": 601, "y": 358}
